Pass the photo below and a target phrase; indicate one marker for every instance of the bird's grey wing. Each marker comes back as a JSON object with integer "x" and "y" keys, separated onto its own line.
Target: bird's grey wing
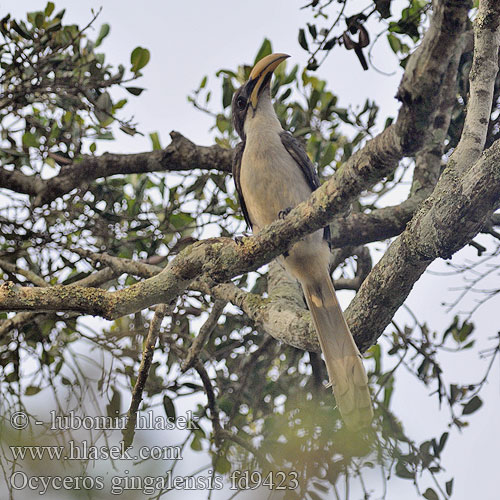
{"x": 298, "y": 153}
{"x": 238, "y": 155}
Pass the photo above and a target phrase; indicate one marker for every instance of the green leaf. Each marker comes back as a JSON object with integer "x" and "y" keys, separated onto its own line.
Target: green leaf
{"x": 302, "y": 39}
{"x": 454, "y": 393}
{"x": 155, "y": 141}
{"x": 226, "y": 404}
{"x": 222, "y": 123}
{"x": 21, "y": 29}
{"x": 291, "y": 76}
{"x": 330, "y": 44}
{"x": 31, "y": 390}
{"x": 134, "y": 90}
{"x": 442, "y": 441}
{"x": 471, "y": 406}
{"x": 49, "y": 8}
{"x": 180, "y": 220}
{"x": 196, "y": 444}
{"x": 128, "y": 130}
{"x": 465, "y": 331}
{"x": 30, "y": 140}
{"x": 403, "y": 471}
{"x": 283, "y": 97}
{"x": 227, "y": 72}
{"x": 93, "y": 148}
{"x": 376, "y": 353}
{"x": 113, "y": 408}
{"x": 265, "y": 49}
{"x": 139, "y": 58}
{"x": 60, "y": 14}
{"x": 39, "y": 18}
{"x": 53, "y": 25}
{"x": 119, "y": 104}
{"x": 468, "y": 345}
{"x": 169, "y": 408}
{"x": 449, "y": 487}
{"x": 104, "y": 107}
{"x": 103, "y": 33}
{"x": 222, "y": 465}
{"x": 342, "y": 114}
{"x": 106, "y": 136}
{"x": 383, "y": 7}
{"x": 388, "y": 390}
{"x": 12, "y": 377}
{"x": 328, "y": 155}
{"x": 227, "y": 92}
{"x": 394, "y": 42}
{"x": 312, "y": 30}
{"x": 430, "y": 494}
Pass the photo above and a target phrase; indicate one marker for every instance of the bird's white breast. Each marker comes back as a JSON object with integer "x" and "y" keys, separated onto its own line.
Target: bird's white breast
{"x": 270, "y": 178}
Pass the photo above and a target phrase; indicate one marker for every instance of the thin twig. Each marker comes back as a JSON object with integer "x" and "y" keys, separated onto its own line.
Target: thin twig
{"x": 142, "y": 376}
{"x": 29, "y": 275}
{"x": 204, "y": 334}
{"x": 119, "y": 265}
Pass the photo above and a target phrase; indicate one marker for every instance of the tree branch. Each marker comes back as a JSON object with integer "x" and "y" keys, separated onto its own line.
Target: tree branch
{"x": 203, "y": 335}
{"x": 464, "y": 199}
{"x": 464, "y": 202}
{"x": 482, "y": 86}
{"x": 94, "y": 280}
{"x": 426, "y": 71}
{"x": 180, "y": 155}
{"x": 19, "y": 182}
{"x": 454, "y": 214}
{"x": 142, "y": 376}
{"x": 10, "y": 268}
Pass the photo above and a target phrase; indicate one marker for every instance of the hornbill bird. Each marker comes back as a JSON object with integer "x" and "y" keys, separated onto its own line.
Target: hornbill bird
{"x": 272, "y": 174}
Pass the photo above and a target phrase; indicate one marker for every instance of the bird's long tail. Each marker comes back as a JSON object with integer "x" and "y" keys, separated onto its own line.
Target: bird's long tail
{"x": 343, "y": 360}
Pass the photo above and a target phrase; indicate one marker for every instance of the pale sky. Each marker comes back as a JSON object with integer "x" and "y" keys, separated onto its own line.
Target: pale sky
{"x": 191, "y": 39}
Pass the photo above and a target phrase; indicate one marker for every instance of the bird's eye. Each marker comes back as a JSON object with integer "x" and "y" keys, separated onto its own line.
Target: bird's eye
{"x": 241, "y": 103}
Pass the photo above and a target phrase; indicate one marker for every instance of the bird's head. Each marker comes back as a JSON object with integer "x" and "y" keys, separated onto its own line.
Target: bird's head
{"x": 246, "y": 98}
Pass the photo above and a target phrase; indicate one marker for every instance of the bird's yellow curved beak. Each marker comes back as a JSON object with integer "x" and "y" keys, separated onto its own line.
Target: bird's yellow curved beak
{"x": 259, "y": 72}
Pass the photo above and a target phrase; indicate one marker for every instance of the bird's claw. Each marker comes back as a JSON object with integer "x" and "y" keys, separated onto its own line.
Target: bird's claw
{"x": 283, "y": 213}
{"x": 239, "y": 240}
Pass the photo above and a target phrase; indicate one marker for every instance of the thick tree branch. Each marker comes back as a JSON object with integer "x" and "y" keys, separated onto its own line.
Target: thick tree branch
{"x": 383, "y": 223}
{"x": 180, "y": 155}
{"x": 482, "y": 86}
{"x": 426, "y": 71}
{"x": 454, "y": 214}
{"x": 94, "y": 280}
{"x": 428, "y": 159}
{"x": 19, "y": 182}
{"x": 463, "y": 201}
